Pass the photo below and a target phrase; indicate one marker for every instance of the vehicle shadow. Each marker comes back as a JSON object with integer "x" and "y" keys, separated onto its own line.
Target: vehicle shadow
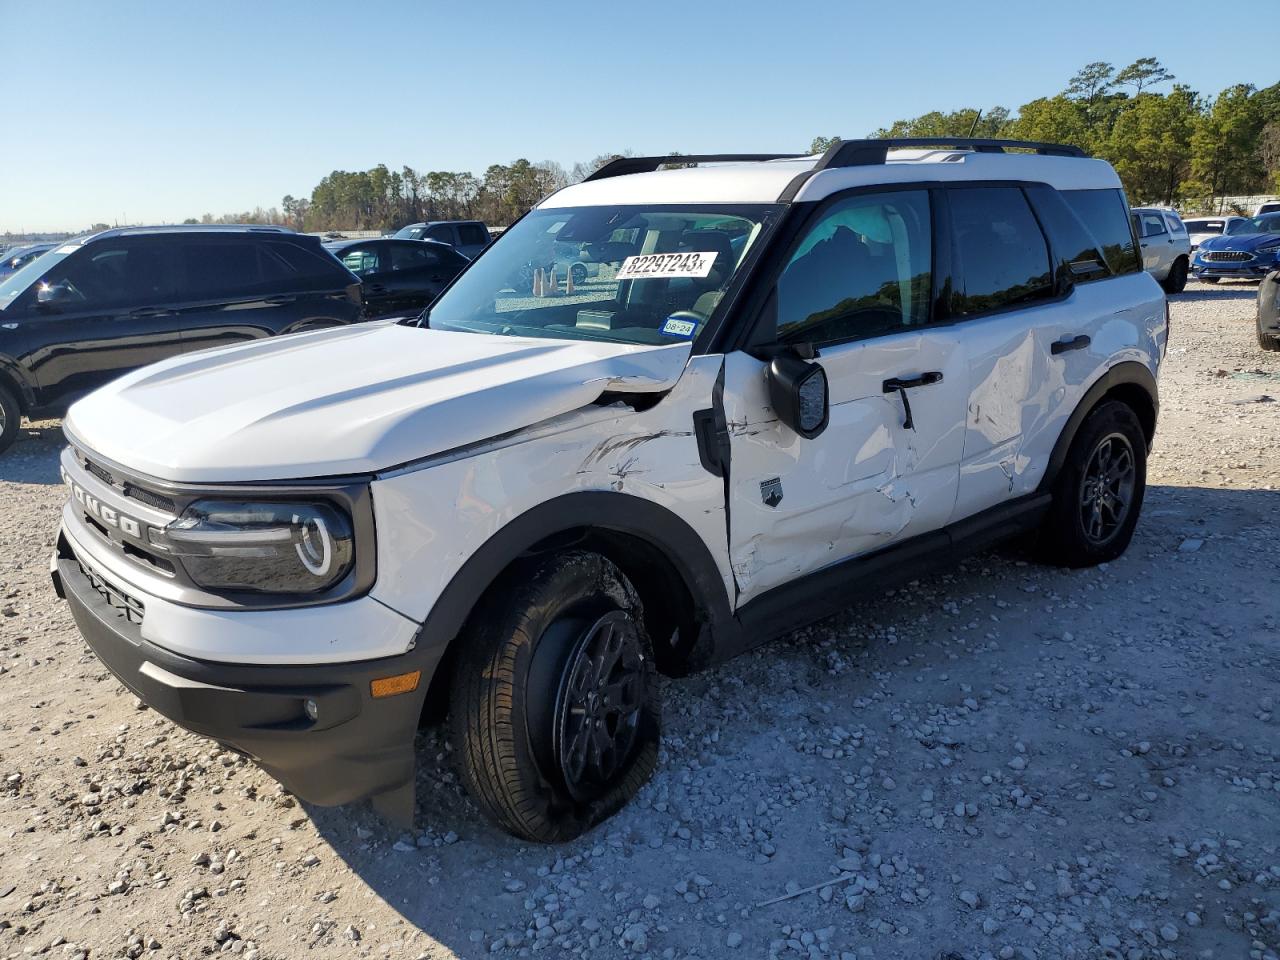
{"x": 1207, "y": 292}
{"x": 463, "y": 884}
{"x": 33, "y": 458}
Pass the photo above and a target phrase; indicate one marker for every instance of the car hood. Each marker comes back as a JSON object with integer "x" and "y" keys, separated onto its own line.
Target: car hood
{"x": 1241, "y": 241}
{"x": 349, "y": 400}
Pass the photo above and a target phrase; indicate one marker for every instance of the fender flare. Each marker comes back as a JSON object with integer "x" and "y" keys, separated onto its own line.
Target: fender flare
{"x": 1122, "y": 374}
{"x": 11, "y": 374}
{"x": 620, "y": 513}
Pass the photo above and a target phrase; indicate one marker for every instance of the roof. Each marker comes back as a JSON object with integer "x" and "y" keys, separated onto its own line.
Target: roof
{"x": 334, "y": 245}
{"x": 766, "y": 181}
{"x": 182, "y": 228}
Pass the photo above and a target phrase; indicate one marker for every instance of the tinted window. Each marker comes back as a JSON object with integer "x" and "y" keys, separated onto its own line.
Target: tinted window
{"x": 361, "y": 261}
{"x": 441, "y": 232}
{"x": 1070, "y": 242}
{"x": 117, "y": 273}
{"x": 218, "y": 267}
{"x": 1105, "y": 214}
{"x": 471, "y": 234}
{"x": 1151, "y": 224}
{"x": 864, "y": 269}
{"x": 406, "y": 256}
{"x": 1001, "y": 256}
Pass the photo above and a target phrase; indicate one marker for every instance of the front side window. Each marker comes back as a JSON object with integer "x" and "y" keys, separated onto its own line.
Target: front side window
{"x": 442, "y": 232}
{"x": 1106, "y": 215}
{"x": 115, "y": 273}
{"x": 361, "y": 261}
{"x": 864, "y": 269}
{"x": 627, "y": 274}
{"x": 1002, "y": 259}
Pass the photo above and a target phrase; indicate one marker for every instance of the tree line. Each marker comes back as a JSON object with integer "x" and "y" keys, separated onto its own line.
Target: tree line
{"x": 1167, "y": 145}
{"x": 1167, "y": 142}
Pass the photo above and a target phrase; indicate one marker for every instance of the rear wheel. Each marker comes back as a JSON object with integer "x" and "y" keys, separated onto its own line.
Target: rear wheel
{"x": 1176, "y": 281}
{"x": 10, "y": 418}
{"x": 555, "y": 705}
{"x": 1268, "y": 341}
{"x": 1098, "y": 494}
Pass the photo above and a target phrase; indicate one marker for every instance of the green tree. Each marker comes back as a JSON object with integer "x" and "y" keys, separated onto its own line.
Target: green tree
{"x": 1143, "y": 72}
{"x": 1150, "y": 144}
{"x": 1053, "y": 120}
{"x": 1224, "y": 146}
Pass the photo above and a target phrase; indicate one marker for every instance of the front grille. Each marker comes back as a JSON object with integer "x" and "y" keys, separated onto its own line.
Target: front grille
{"x": 150, "y": 498}
{"x": 99, "y": 472}
{"x": 1227, "y": 256}
{"x": 129, "y": 607}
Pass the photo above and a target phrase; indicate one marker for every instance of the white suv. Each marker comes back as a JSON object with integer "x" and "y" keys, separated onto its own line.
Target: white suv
{"x": 783, "y": 380}
{"x": 1165, "y": 244}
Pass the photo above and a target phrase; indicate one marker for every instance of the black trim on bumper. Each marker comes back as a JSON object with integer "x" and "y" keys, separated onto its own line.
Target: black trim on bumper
{"x": 357, "y": 747}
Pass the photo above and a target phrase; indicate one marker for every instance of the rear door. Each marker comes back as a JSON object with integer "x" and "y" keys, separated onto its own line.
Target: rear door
{"x": 117, "y": 314}
{"x": 242, "y": 287}
{"x": 412, "y": 274}
{"x": 1157, "y": 243}
{"x": 860, "y": 284}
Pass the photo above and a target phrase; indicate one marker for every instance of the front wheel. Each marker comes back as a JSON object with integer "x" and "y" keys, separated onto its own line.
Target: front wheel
{"x": 1176, "y": 281}
{"x": 10, "y": 419}
{"x": 1098, "y": 494}
{"x": 555, "y": 708}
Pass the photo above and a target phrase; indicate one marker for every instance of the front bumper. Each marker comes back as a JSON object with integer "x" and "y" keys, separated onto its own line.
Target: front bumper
{"x": 356, "y": 747}
{"x": 1244, "y": 270}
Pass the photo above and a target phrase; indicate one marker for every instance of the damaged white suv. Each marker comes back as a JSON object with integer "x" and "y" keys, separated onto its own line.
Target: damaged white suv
{"x": 669, "y": 414}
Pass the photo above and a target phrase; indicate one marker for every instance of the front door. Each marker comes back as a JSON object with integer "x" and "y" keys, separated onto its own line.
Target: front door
{"x": 1157, "y": 244}
{"x": 860, "y": 285}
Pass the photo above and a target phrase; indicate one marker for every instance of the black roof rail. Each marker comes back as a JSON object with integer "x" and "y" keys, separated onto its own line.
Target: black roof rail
{"x": 857, "y": 153}
{"x": 625, "y": 165}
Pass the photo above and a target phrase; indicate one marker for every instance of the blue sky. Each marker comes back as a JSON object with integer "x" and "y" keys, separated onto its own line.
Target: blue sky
{"x": 156, "y": 111}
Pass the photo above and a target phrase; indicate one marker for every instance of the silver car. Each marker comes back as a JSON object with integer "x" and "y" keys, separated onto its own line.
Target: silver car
{"x": 1166, "y": 247}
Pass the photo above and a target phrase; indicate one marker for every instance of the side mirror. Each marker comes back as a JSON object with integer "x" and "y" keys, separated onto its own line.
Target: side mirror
{"x": 799, "y": 395}
{"x": 52, "y": 296}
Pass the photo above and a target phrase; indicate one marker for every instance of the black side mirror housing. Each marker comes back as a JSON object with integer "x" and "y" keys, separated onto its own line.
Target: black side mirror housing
{"x": 51, "y": 297}
{"x": 799, "y": 393}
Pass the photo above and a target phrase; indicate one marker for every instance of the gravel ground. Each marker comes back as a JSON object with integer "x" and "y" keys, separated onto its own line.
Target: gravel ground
{"x": 1008, "y": 761}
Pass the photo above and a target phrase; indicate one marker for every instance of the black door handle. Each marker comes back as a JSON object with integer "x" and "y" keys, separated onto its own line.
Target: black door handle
{"x": 1075, "y": 343}
{"x": 902, "y": 385}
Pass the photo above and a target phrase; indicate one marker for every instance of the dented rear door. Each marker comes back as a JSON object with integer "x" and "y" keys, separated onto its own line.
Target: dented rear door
{"x": 797, "y": 505}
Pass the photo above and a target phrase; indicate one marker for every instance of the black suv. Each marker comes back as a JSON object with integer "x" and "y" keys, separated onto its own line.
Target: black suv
{"x": 98, "y": 306}
{"x": 398, "y": 277}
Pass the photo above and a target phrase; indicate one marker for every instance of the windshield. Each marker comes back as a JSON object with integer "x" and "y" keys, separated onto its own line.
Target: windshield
{"x": 628, "y": 274}
{"x": 13, "y": 285}
{"x": 1269, "y": 223}
{"x": 411, "y": 232}
{"x": 1205, "y": 226}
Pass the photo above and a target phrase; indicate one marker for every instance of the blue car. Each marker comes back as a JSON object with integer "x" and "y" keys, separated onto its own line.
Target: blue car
{"x": 1248, "y": 250}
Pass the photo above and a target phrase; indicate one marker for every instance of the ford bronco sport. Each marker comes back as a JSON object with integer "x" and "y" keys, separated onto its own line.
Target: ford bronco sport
{"x": 783, "y": 380}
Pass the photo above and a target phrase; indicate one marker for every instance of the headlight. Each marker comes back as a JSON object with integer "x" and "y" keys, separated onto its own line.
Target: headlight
{"x": 285, "y": 547}
{"x": 1270, "y": 248}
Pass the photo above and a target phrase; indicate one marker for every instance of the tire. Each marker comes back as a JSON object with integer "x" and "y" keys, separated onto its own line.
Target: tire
{"x": 1266, "y": 341}
{"x": 579, "y": 273}
{"x": 10, "y": 418}
{"x": 523, "y": 699}
{"x": 1083, "y": 529}
{"x": 1176, "y": 281}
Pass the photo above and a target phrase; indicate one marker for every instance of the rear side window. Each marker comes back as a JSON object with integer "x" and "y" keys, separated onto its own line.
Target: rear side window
{"x": 1105, "y": 213}
{"x": 864, "y": 269}
{"x": 406, "y": 256}
{"x": 235, "y": 267}
{"x": 471, "y": 234}
{"x": 1151, "y": 225}
{"x": 1002, "y": 259}
{"x": 1175, "y": 224}
{"x": 1069, "y": 240}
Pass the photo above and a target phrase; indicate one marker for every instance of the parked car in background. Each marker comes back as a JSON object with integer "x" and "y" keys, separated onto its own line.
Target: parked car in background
{"x": 1166, "y": 247}
{"x": 1269, "y": 311}
{"x": 1268, "y": 206}
{"x": 1200, "y": 229}
{"x": 16, "y": 258}
{"x": 468, "y": 237}
{"x": 398, "y": 277}
{"x": 101, "y": 305}
{"x": 1249, "y": 250}
{"x": 525, "y": 506}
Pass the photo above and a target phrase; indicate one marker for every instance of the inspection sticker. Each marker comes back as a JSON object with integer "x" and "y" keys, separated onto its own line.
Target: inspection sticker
{"x": 675, "y": 327}
{"x": 648, "y": 266}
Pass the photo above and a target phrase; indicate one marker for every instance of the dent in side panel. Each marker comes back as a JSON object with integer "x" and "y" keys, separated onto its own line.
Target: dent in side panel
{"x": 431, "y": 520}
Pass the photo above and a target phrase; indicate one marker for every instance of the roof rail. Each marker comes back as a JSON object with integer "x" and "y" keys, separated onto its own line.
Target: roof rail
{"x": 857, "y": 153}
{"x": 192, "y": 228}
{"x": 625, "y": 165}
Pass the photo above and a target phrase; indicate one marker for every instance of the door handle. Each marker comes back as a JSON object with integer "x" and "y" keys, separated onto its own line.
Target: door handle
{"x": 1075, "y": 343}
{"x": 902, "y": 385}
